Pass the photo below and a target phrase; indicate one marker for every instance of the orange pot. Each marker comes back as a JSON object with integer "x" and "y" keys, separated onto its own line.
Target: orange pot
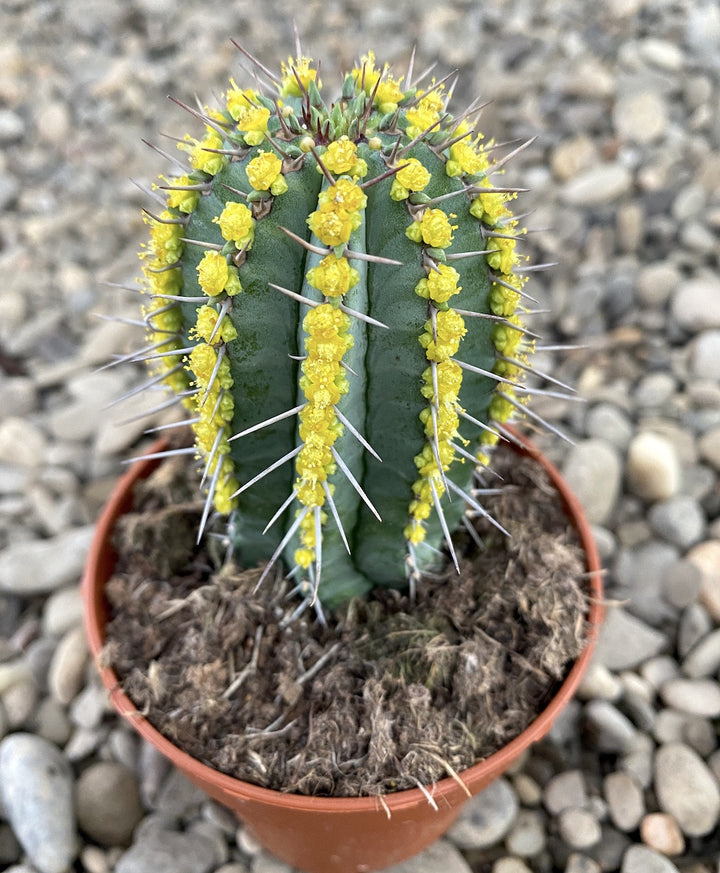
{"x": 330, "y": 834}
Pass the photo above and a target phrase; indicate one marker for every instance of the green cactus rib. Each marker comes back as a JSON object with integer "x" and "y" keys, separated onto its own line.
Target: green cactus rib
{"x": 334, "y": 298}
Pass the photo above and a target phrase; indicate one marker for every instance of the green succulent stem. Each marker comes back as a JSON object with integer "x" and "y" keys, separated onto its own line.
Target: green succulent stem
{"x": 344, "y": 278}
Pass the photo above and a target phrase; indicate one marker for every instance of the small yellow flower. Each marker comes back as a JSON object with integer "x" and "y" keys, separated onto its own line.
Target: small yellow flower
{"x": 367, "y": 75}
{"x": 292, "y": 71}
{"x": 237, "y": 224}
{"x": 184, "y": 201}
{"x": 263, "y": 170}
{"x": 331, "y": 224}
{"x": 502, "y": 300}
{"x": 333, "y": 276}
{"x": 440, "y": 285}
{"x": 202, "y": 156}
{"x": 346, "y": 194}
{"x": 388, "y": 95}
{"x": 341, "y": 157}
{"x": 436, "y": 229}
{"x": 213, "y": 273}
{"x": 413, "y": 177}
{"x": 464, "y": 159}
{"x": 165, "y": 239}
{"x": 238, "y": 101}
{"x": 505, "y": 258}
{"x": 205, "y": 325}
{"x": 427, "y": 112}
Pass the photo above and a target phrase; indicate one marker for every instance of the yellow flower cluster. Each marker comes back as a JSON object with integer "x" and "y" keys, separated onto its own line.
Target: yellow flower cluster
{"x": 464, "y": 160}
{"x": 162, "y": 277}
{"x": 182, "y": 200}
{"x": 340, "y": 157}
{"x": 339, "y": 213}
{"x": 264, "y": 173}
{"x": 444, "y": 416}
{"x": 236, "y": 225}
{"x": 301, "y": 69}
{"x": 251, "y": 117}
{"x": 323, "y": 382}
{"x": 433, "y": 229}
{"x": 412, "y": 177}
{"x": 426, "y": 112}
{"x": 214, "y": 408}
{"x": 333, "y": 276}
{"x": 216, "y": 276}
{"x": 203, "y": 153}
{"x": 440, "y": 285}
{"x": 206, "y": 327}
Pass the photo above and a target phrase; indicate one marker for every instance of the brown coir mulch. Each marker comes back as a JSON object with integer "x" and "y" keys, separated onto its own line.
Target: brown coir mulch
{"x": 390, "y": 693}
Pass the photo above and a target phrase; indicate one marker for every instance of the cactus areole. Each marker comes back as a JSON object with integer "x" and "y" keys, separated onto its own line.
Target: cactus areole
{"x": 334, "y": 295}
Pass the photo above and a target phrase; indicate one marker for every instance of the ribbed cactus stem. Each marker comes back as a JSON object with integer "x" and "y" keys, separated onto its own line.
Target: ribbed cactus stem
{"x": 334, "y": 297}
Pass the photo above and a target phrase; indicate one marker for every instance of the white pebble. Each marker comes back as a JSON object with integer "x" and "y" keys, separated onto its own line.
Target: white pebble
{"x": 686, "y": 789}
{"x": 653, "y": 468}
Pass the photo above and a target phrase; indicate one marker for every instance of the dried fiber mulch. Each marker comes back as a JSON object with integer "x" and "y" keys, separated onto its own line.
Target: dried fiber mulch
{"x": 390, "y": 693}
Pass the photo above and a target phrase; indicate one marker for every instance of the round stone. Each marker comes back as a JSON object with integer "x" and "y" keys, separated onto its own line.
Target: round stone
{"x": 641, "y": 117}
{"x": 593, "y": 471}
{"x": 686, "y": 789}
{"x": 641, "y": 859}
{"x": 527, "y": 835}
{"x": 694, "y": 696}
{"x": 653, "y": 467}
{"x": 487, "y": 818}
{"x": 703, "y": 659}
{"x": 36, "y": 788}
{"x": 108, "y": 803}
{"x": 579, "y": 828}
{"x": 625, "y": 800}
{"x": 679, "y": 520}
{"x": 660, "y": 832}
{"x": 705, "y": 356}
{"x": 565, "y": 790}
{"x": 695, "y": 305}
{"x": 597, "y": 186}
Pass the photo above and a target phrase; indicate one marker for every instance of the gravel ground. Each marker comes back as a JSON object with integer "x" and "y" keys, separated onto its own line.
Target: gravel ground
{"x": 625, "y": 179}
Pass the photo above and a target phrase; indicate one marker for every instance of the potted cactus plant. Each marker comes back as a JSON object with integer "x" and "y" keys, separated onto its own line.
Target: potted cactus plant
{"x": 335, "y": 295}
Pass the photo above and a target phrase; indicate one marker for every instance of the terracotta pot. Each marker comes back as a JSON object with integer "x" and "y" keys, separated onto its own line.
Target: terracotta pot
{"x": 319, "y": 834}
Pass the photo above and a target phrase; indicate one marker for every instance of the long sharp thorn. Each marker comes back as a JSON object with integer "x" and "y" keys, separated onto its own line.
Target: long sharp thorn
{"x": 211, "y": 456}
{"x": 361, "y": 315}
{"x": 159, "y": 408}
{"x": 318, "y": 552}
{"x": 478, "y": 507}
{"x": 168, "y": 453}
{"x": 386, "y": 175}
{"x": 411, "y": 64}
{"x": 224, "y": 309}
{"x": 201, "y": 243}
{"x": 536, "y": 268}
{"x": 131, "y": 357}
{"x": 475, "y": 536}
{"x": 180, "y": 299}
{"x": 356, "y": 433}
{"x": 143, "y": 387}
{"x": 444, "y": 524}
{"x": 173, "y": 424}
{"x": 421, "y": 136}
{"x": 317, "y": 250}
{"x": 268, "y": 470}
{"x": 169, "y": 354}
{"x": 562, "y": 347}
{"x": 540, "y": 420}
{"x": 353, "y": 481}
{"x": 166, "y": 155}
{"x": 208, "y": 502}
{"x": 543, "y": 392}
{"x": 500, "y": 319}
{"x": 267, "y": 422}
{"x": 206, "y": 119}
{"x": 288, "y": 500}
{"x": 540, "y": 373}
{"x": 294, "y": 295}
{"x": 256, "y": 63}
{"x": 477, "y": 423}
{"x": 373, "y": 259}
{"x": 285, "y": 540}
{"x": 336, "y": 516}
{"x": 501, "y": 163}
{"x": 498, "y": 281}
{"x": 488, "y": 373}
{"x": 148, "y": 192}
{"x": 458, "y": 256}
{"x": 159, "y": 220}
